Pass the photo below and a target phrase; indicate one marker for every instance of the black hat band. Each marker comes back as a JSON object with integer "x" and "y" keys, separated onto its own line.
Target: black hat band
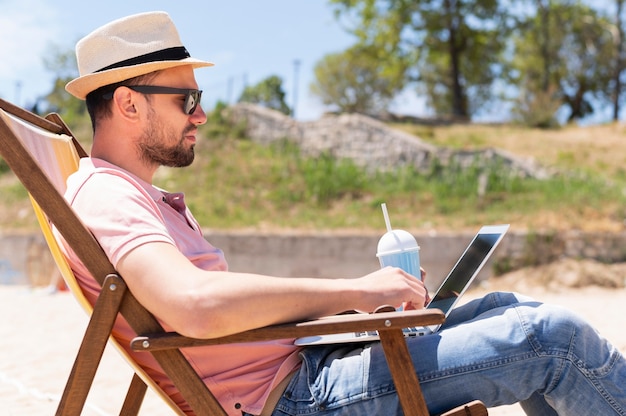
{"x": 170, "y": 54}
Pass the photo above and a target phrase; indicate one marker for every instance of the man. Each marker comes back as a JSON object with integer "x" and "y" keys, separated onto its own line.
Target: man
{"x": 140, "y": 89}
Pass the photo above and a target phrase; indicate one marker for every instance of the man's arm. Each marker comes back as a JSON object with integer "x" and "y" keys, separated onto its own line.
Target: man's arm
{"x": 207, "y": 304}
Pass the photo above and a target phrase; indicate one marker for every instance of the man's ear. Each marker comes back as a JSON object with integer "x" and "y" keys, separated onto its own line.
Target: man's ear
{"x": 124, "y": 101}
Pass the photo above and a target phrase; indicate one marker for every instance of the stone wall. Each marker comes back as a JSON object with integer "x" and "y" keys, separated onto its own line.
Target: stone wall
{"x": 368, "y": 142}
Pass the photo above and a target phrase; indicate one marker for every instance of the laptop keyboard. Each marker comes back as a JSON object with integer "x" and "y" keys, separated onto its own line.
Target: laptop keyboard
{"x": 408, "y": 332}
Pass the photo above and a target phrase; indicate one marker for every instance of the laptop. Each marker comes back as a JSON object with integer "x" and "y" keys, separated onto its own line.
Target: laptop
{"x": 453, "y": 287}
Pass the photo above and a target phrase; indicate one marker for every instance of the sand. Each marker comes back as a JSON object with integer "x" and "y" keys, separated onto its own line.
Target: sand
{"x": 40, "y": 334}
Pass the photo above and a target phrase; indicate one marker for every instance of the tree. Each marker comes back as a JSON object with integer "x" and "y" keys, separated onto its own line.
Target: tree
{"x": 267, "y": 93}
{"x": 354, "y": 82}
{"x": 618, "y": 38}
{"x": 566, "y": 51}
{"x": 449, "y": 48}
{"x": 63, "y": 65}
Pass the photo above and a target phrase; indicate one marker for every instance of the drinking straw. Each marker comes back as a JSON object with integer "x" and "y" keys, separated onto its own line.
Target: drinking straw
{"x": 386, "y": 215}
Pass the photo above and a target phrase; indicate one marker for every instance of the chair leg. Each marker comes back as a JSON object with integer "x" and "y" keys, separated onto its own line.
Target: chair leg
{"x": 134, "y": 397}
{"x": 403, "y": 373}
{"x": 92, "y": 347}
{"x": 475, "y": 408}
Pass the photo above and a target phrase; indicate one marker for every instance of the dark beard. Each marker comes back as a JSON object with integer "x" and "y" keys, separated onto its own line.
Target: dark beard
{"x": 174, "y": 156}
{"x": 154, "y": 151}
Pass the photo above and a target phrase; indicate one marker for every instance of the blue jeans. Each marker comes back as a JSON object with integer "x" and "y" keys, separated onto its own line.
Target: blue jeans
{"x": 501, "y": 349}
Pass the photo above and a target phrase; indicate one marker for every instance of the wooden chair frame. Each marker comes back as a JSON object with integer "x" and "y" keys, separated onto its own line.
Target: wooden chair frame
{"x": 165, "y": 347}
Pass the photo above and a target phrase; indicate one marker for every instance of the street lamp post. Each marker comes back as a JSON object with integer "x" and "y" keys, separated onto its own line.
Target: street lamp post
{"x": 296, "y": 66}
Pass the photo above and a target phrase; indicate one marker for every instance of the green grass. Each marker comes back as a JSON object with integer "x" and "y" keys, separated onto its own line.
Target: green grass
{"x": 238, "y": 184}
{"x": 235, "y": 184}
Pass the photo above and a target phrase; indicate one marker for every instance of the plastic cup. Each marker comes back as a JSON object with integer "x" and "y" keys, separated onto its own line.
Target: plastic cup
{"x": 398, "y": 248}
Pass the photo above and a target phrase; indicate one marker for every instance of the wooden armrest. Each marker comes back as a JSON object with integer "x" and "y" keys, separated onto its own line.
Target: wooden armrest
{"x": 327, "y": 325}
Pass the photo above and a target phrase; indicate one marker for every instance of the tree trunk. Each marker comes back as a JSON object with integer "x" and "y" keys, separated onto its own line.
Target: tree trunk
{"x": 618, "y": 36}
{"x": 459, "y": 109}
{"x": 545, "y": 40}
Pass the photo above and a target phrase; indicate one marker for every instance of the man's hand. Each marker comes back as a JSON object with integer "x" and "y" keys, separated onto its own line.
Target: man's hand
{"x": 393, "y": 286}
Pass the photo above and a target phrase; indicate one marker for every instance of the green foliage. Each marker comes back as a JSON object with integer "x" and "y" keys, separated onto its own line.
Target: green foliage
{"x": 63, "y": 65}
{"x": 240, "y": 184}
{"x": 563, "y": 57}
{"x": 14, "y": 192}
{"x": 555, "y": 54}
{"x": 463, "y": 41}
{"x": 4, "y": 168}
{"x": 450, "y": 48}
{"x": 219, "y": 125}
{"x": 267, "y": 93}
{"x": 321, "y": 179}
{"x": 237, "y": 183}
{"x": 355, "y": 81}
{"x": 537, "y": 109}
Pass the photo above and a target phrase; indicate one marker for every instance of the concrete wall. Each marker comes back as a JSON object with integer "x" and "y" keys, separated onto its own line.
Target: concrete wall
{"x": 24, "y": 258}
{"x": 334, "y": 255}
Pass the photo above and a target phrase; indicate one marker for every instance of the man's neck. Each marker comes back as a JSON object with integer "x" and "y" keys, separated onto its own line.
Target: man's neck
{"x": 126, "y": 162}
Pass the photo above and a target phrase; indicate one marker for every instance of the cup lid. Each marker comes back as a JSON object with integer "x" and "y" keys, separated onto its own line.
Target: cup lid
{"x": 396, "y": 241}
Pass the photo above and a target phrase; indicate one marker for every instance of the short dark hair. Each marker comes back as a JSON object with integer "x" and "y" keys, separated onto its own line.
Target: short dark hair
{"x": 99, "y": 107}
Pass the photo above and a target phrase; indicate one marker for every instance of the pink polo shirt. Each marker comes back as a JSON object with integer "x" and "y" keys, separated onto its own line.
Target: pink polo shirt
{"x": 124, "y": 212}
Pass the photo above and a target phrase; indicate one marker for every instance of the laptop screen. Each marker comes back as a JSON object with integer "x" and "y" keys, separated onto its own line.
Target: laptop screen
{"x": 467, "y": 267}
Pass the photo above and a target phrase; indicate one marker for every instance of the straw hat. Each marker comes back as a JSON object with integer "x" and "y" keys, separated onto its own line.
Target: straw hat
{"x": 126, "y": 48}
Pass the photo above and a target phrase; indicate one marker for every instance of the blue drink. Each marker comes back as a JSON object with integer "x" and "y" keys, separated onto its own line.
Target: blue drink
{"x": 409, "y": 261}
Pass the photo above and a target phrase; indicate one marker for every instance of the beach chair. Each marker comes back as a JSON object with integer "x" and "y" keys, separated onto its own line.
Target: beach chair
{"x": 42, "y": 152}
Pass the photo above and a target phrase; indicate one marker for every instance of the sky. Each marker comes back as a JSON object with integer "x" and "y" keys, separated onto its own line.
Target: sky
{"x": 248, "y": 40}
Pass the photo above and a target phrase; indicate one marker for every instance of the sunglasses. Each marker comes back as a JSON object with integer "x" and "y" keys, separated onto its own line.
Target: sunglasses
{"x": 192, "y": 97}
